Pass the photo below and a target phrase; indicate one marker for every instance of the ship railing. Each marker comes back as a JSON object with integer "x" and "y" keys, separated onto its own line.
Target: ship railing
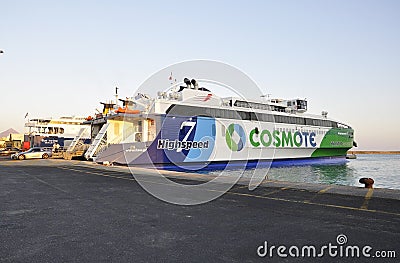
{"x": 100, "y": 140}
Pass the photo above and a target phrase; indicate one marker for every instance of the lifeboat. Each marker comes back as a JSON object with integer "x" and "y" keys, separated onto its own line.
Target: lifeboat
{"x": 126, "y": 110}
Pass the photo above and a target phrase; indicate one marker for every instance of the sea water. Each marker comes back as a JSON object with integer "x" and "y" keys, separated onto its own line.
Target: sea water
{"x": 384, "y": 169}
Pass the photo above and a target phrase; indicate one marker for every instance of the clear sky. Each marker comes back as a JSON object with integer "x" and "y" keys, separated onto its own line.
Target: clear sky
{"x": 63, "y": 57}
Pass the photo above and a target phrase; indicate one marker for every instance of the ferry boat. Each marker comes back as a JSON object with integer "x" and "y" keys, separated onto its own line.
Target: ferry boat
{"x": 189, "y": 126}
{"x": 46, "y": 132}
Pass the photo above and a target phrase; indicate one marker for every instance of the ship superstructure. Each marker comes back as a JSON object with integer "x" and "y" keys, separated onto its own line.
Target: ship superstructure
{"x": 46, "y": 132}
{"x": 189, "y": 125}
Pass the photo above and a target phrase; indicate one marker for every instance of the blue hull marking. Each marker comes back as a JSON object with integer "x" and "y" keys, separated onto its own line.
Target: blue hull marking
{"x": 181, "y": 131}
{"x": 252, "y": 164}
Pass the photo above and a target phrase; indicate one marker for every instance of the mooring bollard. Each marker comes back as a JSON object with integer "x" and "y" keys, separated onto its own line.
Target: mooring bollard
{"x": 368, "y": 182}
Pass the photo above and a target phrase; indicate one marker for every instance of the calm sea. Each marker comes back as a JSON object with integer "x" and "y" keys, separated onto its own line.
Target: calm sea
{"x": 384, "y": 169}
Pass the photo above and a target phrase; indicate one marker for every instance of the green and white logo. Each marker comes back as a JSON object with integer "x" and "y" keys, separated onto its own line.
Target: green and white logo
{"x": 235, "y": 137}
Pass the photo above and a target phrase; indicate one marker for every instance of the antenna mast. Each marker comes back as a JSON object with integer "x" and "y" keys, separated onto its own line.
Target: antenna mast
{"x": 116, "y": 95}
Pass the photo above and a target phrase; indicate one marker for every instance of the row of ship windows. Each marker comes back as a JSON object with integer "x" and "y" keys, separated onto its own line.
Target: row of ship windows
{"x": 301, "y": 130}
{"x": 259, "y": 106}
{"x": 50, "y": 130}
{"x": 184, "y": 110}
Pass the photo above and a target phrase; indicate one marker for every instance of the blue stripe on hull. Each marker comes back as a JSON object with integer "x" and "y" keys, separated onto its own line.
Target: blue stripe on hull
{"x": 195, "y": 167}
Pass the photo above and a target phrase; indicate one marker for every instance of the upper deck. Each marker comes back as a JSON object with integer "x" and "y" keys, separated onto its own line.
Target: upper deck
{"x": 63, "y": 126}
{"x": 190, "y": 100}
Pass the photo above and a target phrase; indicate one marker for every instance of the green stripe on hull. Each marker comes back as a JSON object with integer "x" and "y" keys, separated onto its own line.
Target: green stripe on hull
{"x": 326, "y": 152}
{"x": 336, "y": 142}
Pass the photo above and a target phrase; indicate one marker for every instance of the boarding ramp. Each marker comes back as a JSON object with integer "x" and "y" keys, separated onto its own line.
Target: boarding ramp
{"x": 78, "y": 139}
{"x": 76, "y": 147}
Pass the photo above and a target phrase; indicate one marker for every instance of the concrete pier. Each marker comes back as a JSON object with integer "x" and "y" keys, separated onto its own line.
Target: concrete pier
{"x": 69, "y": 211}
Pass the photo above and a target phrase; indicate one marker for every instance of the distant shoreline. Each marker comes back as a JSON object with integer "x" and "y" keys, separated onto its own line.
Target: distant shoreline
{"x": 373, "y": 152}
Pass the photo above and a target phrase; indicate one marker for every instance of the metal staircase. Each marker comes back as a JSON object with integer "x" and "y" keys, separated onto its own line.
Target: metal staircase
{"x": 77, "y": 139}
{"x": 99, "y": 142}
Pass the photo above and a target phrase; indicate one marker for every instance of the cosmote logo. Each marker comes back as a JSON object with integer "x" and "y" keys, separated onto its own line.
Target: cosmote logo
{"x": 235, "y": 137}
{"x": 282, "y": 138}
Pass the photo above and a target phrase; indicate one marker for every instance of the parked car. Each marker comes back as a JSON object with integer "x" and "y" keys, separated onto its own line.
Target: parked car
{"x": 8, "y": 152}
{"x": 35, "y": 152}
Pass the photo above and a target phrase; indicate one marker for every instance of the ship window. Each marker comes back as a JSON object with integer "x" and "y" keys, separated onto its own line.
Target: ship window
{"x": 240, "y": 103}
{"x": 267, "y": 118}
{"x": 138, "y": 137}
{"x": 222, "y": 113}
{"x": 253, "y": 116}
{"x": 258, "y": 116}
{"x": 244, "y": 115}
{"x": 302, "y": 104}
{"x": 217, "y": 113}
{"x": 231, "y": 114}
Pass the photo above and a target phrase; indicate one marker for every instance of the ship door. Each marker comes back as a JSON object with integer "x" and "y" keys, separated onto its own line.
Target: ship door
{"x": 148, "y": 130}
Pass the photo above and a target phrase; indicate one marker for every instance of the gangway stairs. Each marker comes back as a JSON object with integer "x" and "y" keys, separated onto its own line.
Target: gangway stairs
{"x": 77, "y": 139}
{"x": 100, "y": 140}
{"x": 75, "y": 149}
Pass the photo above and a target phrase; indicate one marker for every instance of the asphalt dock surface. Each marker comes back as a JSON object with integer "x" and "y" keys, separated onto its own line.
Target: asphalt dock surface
{"x": 71, "y": 211}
